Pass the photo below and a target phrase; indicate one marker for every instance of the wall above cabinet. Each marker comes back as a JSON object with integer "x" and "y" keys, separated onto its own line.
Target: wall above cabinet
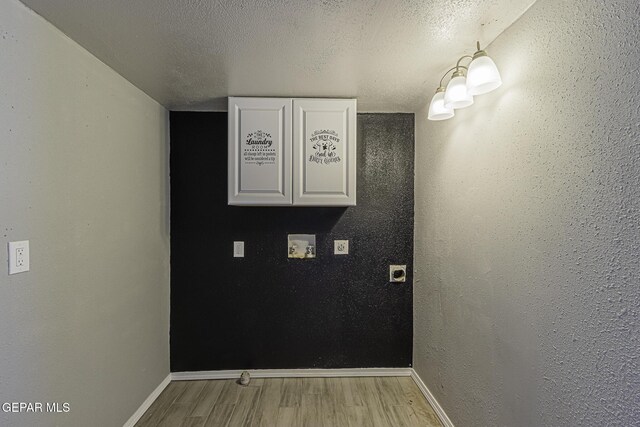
{"x": 292, "y": 152}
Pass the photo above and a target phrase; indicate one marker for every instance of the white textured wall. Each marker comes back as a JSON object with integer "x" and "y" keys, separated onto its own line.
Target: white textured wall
{"x": 83, "y": 176}
{"x": 527, "y": 237}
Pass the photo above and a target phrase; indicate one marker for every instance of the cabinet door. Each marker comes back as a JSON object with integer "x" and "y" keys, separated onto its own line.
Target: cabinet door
{"x": 324, "y": 152}
{"x": 259, "y": 151}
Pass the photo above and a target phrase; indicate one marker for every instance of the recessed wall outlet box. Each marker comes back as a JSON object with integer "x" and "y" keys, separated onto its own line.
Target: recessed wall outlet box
{"x": 301, "y": 246}
{"x": 238, "y": 249}
{"x": 340, "y": 247}
{"x": 397, "y": 273}
{"x": 18, "y": 257}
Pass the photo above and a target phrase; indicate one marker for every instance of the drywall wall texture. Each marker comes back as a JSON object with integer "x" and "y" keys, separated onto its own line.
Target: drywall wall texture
{"x": 83, "y": 176}
{"x": 527, "y": 291}
{"x": 266, "y": 310}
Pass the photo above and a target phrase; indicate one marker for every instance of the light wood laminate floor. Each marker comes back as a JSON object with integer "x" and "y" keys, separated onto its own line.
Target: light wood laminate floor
{"x": 295, "y": 402}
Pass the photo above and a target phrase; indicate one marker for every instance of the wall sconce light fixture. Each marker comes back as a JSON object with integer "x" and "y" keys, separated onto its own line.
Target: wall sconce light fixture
{"x": 481, "y": 76}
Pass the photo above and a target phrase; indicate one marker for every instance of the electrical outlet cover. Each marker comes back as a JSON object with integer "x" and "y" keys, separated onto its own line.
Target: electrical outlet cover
{"x": 18, "y": 257}
{"x": 341, "y": 247}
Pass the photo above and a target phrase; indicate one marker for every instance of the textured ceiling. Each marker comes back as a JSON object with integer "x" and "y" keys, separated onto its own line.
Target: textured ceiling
{"x": 190, "y": 54}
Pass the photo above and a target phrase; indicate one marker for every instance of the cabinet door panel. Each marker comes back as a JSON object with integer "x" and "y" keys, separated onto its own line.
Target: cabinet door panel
{"x": 259, "y": 151}
{"x": 324, "y": 149}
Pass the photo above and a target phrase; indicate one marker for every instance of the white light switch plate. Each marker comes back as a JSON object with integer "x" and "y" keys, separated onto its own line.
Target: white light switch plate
{"x": 238, "y": 249}
{"x": 340, "y": 247}
{"x": 18, "y": 257}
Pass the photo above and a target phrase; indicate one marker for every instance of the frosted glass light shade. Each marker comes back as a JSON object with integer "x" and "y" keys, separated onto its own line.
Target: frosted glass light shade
{"x": 437, "y": 110}
{"x": 456, "y": 95}
{"x": 483, "y": 76}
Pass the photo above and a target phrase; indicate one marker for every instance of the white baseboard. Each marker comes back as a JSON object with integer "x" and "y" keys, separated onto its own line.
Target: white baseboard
{"x": 148, "y": 402}
{"x": 444, "y": 419}
{"x": 294, "y": 373}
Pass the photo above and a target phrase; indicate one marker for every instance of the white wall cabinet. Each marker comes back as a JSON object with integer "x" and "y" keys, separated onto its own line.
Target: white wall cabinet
{"x": 259, "y": 151}
{"x": 324, "y": 152}
{"x": 299, "y": 152}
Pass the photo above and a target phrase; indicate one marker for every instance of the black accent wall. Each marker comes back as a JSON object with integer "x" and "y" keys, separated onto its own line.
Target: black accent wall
{"x": 265, "y": 310}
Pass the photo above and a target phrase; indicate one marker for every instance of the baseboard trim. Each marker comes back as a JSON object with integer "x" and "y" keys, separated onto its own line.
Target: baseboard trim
{"x": 444, "y": 419}
{"x": 294, "y": 373}
{"x": 148, "y": 402}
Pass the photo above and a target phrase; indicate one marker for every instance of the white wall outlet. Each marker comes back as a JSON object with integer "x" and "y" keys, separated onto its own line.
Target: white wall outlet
{"x": 340, "y": 247}
{"x": 18, "y": 257}
{"x": 238, "y": 249}
{"x": 397, "y": 273}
